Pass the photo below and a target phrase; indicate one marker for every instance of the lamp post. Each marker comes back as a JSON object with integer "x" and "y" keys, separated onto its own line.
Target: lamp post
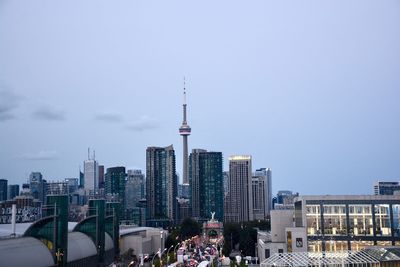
{"x": 161, "y": 256}
{"x": 168, "y": 253}
{"x": 152, "y": 260}
{"x": 161, "y": 240}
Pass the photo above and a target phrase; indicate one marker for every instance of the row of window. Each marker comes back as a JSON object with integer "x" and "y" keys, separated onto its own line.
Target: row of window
{"x": 360, "y": 219}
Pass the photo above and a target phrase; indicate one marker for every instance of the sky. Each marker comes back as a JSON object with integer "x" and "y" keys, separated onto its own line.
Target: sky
{"x": 310, "y": 89}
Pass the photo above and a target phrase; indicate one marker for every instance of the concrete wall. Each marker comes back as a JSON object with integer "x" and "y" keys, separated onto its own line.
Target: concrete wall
{"x": 299, "y": 239}
{"x": 280, "y": 220}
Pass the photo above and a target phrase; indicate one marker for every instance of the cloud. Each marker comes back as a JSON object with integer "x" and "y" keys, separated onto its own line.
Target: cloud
{"x": 41, "y": 155}
{"x": 8, "y": 103}
{"x": 48, "y": 113}
{"x": 108, "y": 116}
{"x": 142, "y": 124}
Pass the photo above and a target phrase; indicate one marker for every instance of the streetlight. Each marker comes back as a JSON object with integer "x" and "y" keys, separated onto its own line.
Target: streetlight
{"x": 161, "y": 239}
{"x": 168, "y": 253}
{"x": 161, "y": 256}
{"x": 152, "y": 264}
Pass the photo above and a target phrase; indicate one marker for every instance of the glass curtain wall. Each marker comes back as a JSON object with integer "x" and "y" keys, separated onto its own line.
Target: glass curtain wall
{"x": 335, "y": 220}
{"x": 361, "y": 220}
{"x": 382, "y": 220}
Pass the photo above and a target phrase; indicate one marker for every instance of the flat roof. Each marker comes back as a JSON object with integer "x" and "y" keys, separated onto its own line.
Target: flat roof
{"x": 348, "y": 197}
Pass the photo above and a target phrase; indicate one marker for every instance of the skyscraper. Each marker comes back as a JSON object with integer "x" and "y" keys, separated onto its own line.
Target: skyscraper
{"x": 115, "y": 185}
{"x": 134, "y": 188}
{"x": 266, "y": 173}
{"x": 91, "y": 173}
{"x": 185, "y": 131}
{"x": 206, "y": 184}
{"x": 258, "y": 198}
{"x": 3, "y": 189}
{"x": 161, "y": 186}
{"x": 13, "y": 191}
{"x": 36, "y": 184}
{"x": 101, "y": 176}
{"x": 238, "y": 201}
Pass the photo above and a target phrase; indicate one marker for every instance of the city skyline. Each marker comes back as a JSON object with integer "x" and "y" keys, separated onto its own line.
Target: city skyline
{"x": 308, "y": 90}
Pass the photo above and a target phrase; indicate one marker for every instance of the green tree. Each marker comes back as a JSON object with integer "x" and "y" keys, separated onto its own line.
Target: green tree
{"x": 189, "y": 228}
{"x": 231, "y": 237}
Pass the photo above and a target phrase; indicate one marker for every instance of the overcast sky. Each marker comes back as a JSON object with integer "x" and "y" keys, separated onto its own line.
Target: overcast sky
{"x": 310, "y": 89}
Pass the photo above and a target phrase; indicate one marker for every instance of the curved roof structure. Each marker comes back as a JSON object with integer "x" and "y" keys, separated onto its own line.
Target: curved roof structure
{"x": 25, "y": 251}
{"x": 80, "y": 246}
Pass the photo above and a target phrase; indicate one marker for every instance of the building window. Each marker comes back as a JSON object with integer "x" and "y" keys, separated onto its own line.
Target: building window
{"x": 360, "y": 220}
{"x": 382, "y": 220}
{"x": 267, "y": 253}
{"x": 313, "y": 216}
{"x": 280, "y": 250}
{"x": 335, "y": 220}
{"x": 314, "y": 246}
{"x": 396, "y": 220}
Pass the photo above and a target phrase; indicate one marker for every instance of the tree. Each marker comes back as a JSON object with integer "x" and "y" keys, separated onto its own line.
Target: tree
{"x": 189, "y": 228}
{"x": 231, "y": 237}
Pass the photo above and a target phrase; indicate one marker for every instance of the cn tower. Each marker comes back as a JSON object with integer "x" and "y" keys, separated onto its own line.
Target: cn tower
{"x": 185, "y": 130}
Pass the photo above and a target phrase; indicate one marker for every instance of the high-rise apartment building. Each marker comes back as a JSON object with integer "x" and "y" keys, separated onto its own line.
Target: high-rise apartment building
{"x": 115, "y": 186}
{"x": 134, "y": 188}
{"x": 3, "y": 189}
{"x": 266, "y": 173}
{"x": 258, "y": 197}
{"x": 36, "y": 185}
{"x": 386, "y": 188}
{"x": 91, "y": 174}
{"x": 161, "y": 186}
{"x": 238, "y": 201}
{"x": 101, "y": 176}
{"x": 72, "y": 184}
{"x": 56, "y": 188}
{"x": 206, "y": 184}
{"x": 225, "y": 174}
{"x": 13, "y": 191}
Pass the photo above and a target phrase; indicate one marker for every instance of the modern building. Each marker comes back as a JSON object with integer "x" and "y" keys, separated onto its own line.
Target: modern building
{"x": 161, "y": 186}
{"x": 331, "y": 224}
{"x": 115, "y": 186}
{"x": 134, "y": 188}
{"x": 56, "y": 188}
{"x": 284, "y": 200}
{"x": 73, "y": 184}
{"x": 225, "y": 174}
{"x": 3, "y": 189}
{"x": 183, "y": 209}
{"x": 185, "y": 131}
{"x": 183, "y": 190}
{"x": 81, "y": 179}
{"x": 238, "y": 202}
{"x": 134, "y": 194}
{"x": 36, "y": 185}
{"x": 266, "y": 173}
{"x": 101, "y": 176}
{"x": 206, "y": 184}
{"x": 91, "y": 174}
{"x": 13, "y": 191}
{"x": 386, "y": 188}
{"x": 258, "y": 197}
{"x": 348, "y": 222}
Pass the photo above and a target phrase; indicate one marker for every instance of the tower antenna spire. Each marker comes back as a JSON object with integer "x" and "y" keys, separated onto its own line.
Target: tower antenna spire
{"x": 185, "y": 131}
